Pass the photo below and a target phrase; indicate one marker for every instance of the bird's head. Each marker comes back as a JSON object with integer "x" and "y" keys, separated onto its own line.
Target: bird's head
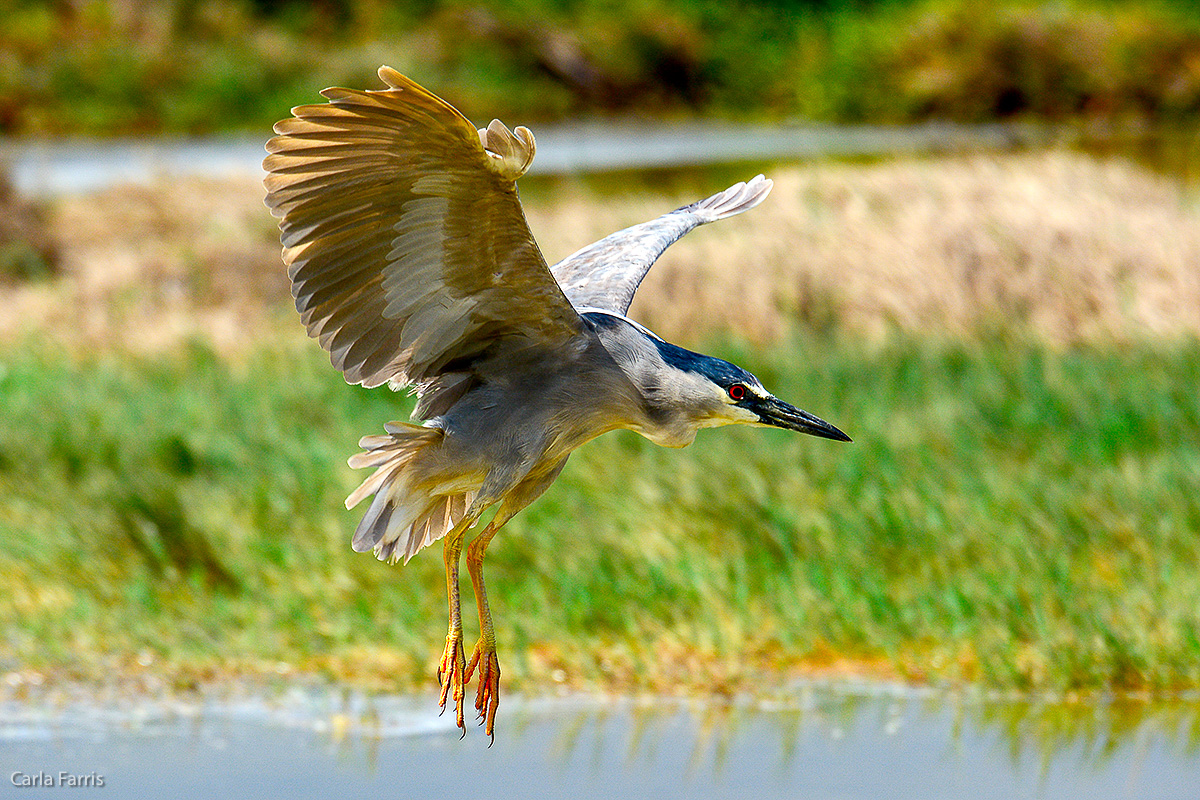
{"x": 715, "y": 392}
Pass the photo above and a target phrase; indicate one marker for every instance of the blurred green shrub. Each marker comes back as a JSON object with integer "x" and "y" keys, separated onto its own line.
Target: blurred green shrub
{"x": 109, "y": 66}
{"x": 1051, "y": 60}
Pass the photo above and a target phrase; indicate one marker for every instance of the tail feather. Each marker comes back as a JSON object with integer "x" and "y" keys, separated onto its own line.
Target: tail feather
{"x": 374, "y": 523}
{"x": 403, "y": 517}
{"x": 372, "y": 445}
{"x": 384, "y": 474}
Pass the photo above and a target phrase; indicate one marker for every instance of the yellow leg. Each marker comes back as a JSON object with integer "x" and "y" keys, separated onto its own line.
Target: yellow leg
{"x": 487, "y": 697}
{"x": 450, "y": 672}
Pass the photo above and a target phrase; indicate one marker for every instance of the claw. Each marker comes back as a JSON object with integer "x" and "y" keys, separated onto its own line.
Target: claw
{"x": 487, "y": 696}
{"x": 450, "y": 676}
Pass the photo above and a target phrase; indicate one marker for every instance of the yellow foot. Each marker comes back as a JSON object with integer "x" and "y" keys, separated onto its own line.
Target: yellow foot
{"x": 450, "y": 675}
{"x": 487, "y": 697}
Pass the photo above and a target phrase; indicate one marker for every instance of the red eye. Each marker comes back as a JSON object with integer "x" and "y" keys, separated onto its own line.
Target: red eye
{"x": 737, "y": 392}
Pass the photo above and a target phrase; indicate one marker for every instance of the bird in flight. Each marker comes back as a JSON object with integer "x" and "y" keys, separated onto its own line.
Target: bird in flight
{"x": 412, "y": 264}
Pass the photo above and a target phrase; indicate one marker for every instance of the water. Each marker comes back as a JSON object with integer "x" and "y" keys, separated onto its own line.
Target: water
{"x": 817, "y": 742}
{"x": 41, "y": 168}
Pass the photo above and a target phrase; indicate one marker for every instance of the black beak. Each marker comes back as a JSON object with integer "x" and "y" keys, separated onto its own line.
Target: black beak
{"x": 773, "y": 411}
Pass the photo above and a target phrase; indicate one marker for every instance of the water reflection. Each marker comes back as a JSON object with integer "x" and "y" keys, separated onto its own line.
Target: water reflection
{"x": 816, "y": 741}
{"x": 1087, "y": 737}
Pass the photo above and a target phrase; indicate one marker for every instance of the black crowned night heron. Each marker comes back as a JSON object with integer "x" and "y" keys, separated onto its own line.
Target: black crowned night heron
{"x": 412, "y": 264}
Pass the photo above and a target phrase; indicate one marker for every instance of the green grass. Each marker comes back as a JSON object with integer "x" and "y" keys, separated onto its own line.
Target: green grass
{"x": 1007, "y": 514}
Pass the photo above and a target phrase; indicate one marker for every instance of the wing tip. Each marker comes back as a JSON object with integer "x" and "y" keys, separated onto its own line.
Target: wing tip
{"x": 736, "y": 199}
{"x": 509, "y": 152}
{"x": 390, "y": 76}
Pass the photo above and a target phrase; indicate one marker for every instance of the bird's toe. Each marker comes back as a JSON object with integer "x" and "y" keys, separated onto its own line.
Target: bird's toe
{"x": 451, "y": 676}
{"x": 487, "y": 695}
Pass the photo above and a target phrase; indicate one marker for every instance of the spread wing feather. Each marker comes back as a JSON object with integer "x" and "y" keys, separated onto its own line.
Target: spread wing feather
{"x": 404, "y": 238}
{"x": 606, "y": 274}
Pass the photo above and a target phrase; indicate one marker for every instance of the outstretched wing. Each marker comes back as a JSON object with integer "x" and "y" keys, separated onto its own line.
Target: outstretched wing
{"x": 404, "y": 239}
{"x": 607, "y": 273}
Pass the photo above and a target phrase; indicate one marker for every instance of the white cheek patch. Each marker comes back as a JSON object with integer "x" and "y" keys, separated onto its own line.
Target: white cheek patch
{"x": 743, "y": 415}
{"x": 730, "y": 415}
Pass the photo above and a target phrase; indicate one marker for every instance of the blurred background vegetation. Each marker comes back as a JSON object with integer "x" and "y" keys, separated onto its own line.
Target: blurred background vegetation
{"x": 1012, "y": 340}
{"x": 197, "y": 66}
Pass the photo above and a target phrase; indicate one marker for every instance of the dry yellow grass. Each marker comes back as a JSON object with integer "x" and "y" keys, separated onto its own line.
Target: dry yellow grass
{"x": 1065, "y": 246}
{"x": 1058, "y": 245}
{"x": 146, "y": 268}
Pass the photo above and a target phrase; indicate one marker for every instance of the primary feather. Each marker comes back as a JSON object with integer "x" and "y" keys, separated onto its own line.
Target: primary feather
{"x": 404, "y": 238}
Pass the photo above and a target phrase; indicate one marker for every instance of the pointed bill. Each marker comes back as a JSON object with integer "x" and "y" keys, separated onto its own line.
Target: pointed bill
{"x": 773, "y": 411}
